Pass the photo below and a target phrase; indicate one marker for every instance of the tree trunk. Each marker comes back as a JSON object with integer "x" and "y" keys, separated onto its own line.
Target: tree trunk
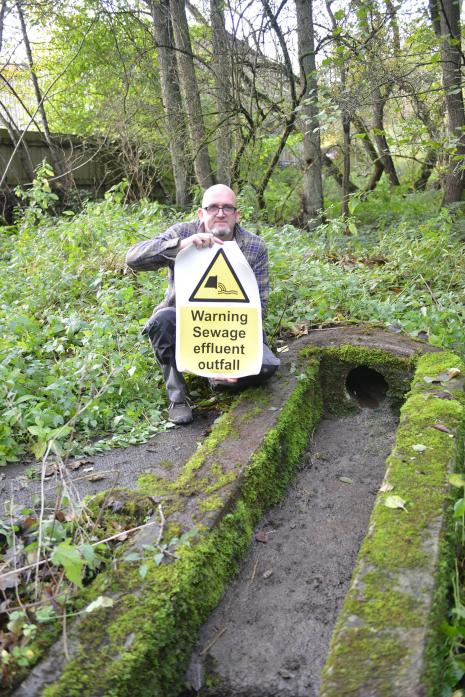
{"x": 222, "y": 68}
{"x": 380, "y": 137}
{"x": 312, "y": 203}
{"x": 65, "y": 180}
{"x": 338, "y": 176}
{"x": 172, "y": 101}
{"x": 427, "y": 167}
{"x": 449, "y": 11}
{"x": 190, "y": 91}
{"x": 371, "y": 151}
{"x": 345, "y": 118}
{"x": 346, "y": 159}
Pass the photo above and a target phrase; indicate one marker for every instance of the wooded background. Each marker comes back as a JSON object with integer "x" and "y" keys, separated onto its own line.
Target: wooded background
{"x": 284, "y": 100}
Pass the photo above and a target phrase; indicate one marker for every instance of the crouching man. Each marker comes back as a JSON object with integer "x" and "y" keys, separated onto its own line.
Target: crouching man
{"x": 218, "y": 221}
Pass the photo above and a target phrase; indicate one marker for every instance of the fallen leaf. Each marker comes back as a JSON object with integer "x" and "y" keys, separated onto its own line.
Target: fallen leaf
{"x": 456, "y": 480}
{"x": 268, "y": 573}
{"x": 300, "y": 329}
{"x": 441, "y": 427}
{"x": 395, "y": 328}
{"x": 346, "y": 480}
{"x": 95, "y": 477}
{"x": 115, "y": 505}
{"x": 386, "y": 487}
{"x": 51, "y": 469}
{"x": 395, "y": 502}
{"x": 285, "y": 674}
{"x": 101, "y": 601}
{"x": 282, "y": 349}
{"x": 261, "y": 537}
{"x": 453, "y": 372}
{"x": 441, "y": 395}
{"x": 419, "y": 447}
{"x": 75, "y": 464}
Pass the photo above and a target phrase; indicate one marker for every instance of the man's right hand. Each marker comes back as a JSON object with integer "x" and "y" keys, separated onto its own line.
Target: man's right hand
{"x": 201, "y": 240}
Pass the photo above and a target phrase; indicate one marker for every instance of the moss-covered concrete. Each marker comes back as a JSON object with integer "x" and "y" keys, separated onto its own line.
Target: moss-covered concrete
{"x": 243, "y": 467}
{"x": 386, "y": 637}
{"x": 387, "y": 640}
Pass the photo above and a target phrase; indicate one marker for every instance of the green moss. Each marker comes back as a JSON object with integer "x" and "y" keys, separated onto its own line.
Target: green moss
{"x": 337, "y": 362}
{"x": 400, "y": 546}
{"x": 380, "y": 605}
{"x": 366, "y": 657}
{"x": 212, "y": 503}
{"x": 221, "y": 481}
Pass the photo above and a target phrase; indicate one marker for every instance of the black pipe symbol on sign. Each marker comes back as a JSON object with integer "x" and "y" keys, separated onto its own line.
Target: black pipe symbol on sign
{"x": 219, "y": 280}
{"x": 212, "y": 282}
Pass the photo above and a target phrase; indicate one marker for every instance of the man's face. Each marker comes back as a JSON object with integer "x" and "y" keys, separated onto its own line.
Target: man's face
{"x": 219, "y": 222}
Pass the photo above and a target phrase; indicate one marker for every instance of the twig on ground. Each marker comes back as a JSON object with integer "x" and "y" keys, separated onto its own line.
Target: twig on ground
{"x": 254, "y": 570}
{"x": 212, "y": 642}
{"x": 65, "y": 636}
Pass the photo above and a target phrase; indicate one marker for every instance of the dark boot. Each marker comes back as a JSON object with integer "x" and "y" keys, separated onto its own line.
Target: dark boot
{"x": 179, "y": 410}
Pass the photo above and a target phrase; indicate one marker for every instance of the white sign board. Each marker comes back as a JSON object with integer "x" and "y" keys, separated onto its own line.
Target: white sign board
{"x": 218, "y": 313}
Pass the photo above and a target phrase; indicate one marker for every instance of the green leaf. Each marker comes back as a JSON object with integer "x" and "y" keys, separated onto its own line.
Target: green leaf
{"x": 69, "y": 557}
{"x": 459, "y": 508}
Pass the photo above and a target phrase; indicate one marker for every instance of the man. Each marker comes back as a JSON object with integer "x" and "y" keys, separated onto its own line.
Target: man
{"x": 218, "y": 221}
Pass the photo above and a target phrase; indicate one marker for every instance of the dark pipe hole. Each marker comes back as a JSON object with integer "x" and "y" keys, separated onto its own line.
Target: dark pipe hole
{"x": 366, "y": 386}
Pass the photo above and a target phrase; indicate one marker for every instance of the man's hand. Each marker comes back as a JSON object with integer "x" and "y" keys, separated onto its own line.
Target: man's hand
{"x": 201, "y": 240}
{"x": 223, "y": 380}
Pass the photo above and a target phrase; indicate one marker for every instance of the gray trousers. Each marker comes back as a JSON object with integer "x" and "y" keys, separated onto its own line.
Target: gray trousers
{"x": 161, "y": 330}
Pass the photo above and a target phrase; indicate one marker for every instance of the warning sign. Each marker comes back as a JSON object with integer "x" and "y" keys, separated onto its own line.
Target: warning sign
{"x": 220, "y": 282}
{"x": 218, "y": 313}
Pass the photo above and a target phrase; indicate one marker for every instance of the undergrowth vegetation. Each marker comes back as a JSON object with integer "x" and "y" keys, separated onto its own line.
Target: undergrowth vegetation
{"x": 76, "y": 376}
{"x": 74, "y": 368}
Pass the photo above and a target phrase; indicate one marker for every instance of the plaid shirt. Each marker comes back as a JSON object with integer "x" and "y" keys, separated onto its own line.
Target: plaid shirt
{"x": 162, "y": 250}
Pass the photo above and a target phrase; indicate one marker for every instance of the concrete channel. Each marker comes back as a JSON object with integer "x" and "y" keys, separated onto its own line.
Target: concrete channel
{"x": 321, "y": 565}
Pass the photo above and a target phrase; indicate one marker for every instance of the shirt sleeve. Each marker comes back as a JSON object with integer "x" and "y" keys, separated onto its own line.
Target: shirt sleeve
{"x": 153, "y": 254}
{"x": 260, "y": 269}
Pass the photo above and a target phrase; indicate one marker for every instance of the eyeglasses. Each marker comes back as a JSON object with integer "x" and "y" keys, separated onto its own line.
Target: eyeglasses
{"x": 214, "y": 209}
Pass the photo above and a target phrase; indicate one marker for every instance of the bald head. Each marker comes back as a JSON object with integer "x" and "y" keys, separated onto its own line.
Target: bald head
{"x": 216, "y": 219}
{"x": 218, "y": 191}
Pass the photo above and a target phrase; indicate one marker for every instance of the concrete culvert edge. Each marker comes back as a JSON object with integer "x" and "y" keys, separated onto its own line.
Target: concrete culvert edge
{"x": 248, "y": 469}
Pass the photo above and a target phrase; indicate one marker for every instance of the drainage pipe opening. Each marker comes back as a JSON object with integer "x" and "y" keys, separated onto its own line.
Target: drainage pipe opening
{"x": 366, "y": 386}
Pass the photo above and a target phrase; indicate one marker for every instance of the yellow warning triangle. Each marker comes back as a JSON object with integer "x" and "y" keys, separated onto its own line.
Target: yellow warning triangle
{"x": 219, "y": 283}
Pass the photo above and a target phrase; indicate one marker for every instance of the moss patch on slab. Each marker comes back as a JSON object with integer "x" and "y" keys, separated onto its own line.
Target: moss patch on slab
{"x": 398, "y": 597}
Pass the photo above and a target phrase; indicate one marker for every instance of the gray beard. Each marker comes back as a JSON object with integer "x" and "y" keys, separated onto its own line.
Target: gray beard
{"x": 223, "y": 234}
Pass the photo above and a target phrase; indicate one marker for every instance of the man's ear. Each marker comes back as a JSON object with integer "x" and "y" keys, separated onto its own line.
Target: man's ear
{"x": 200, "y": 214}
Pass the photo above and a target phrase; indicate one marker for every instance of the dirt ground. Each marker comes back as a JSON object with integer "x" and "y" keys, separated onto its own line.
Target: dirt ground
{"x": 270, "y": 634}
